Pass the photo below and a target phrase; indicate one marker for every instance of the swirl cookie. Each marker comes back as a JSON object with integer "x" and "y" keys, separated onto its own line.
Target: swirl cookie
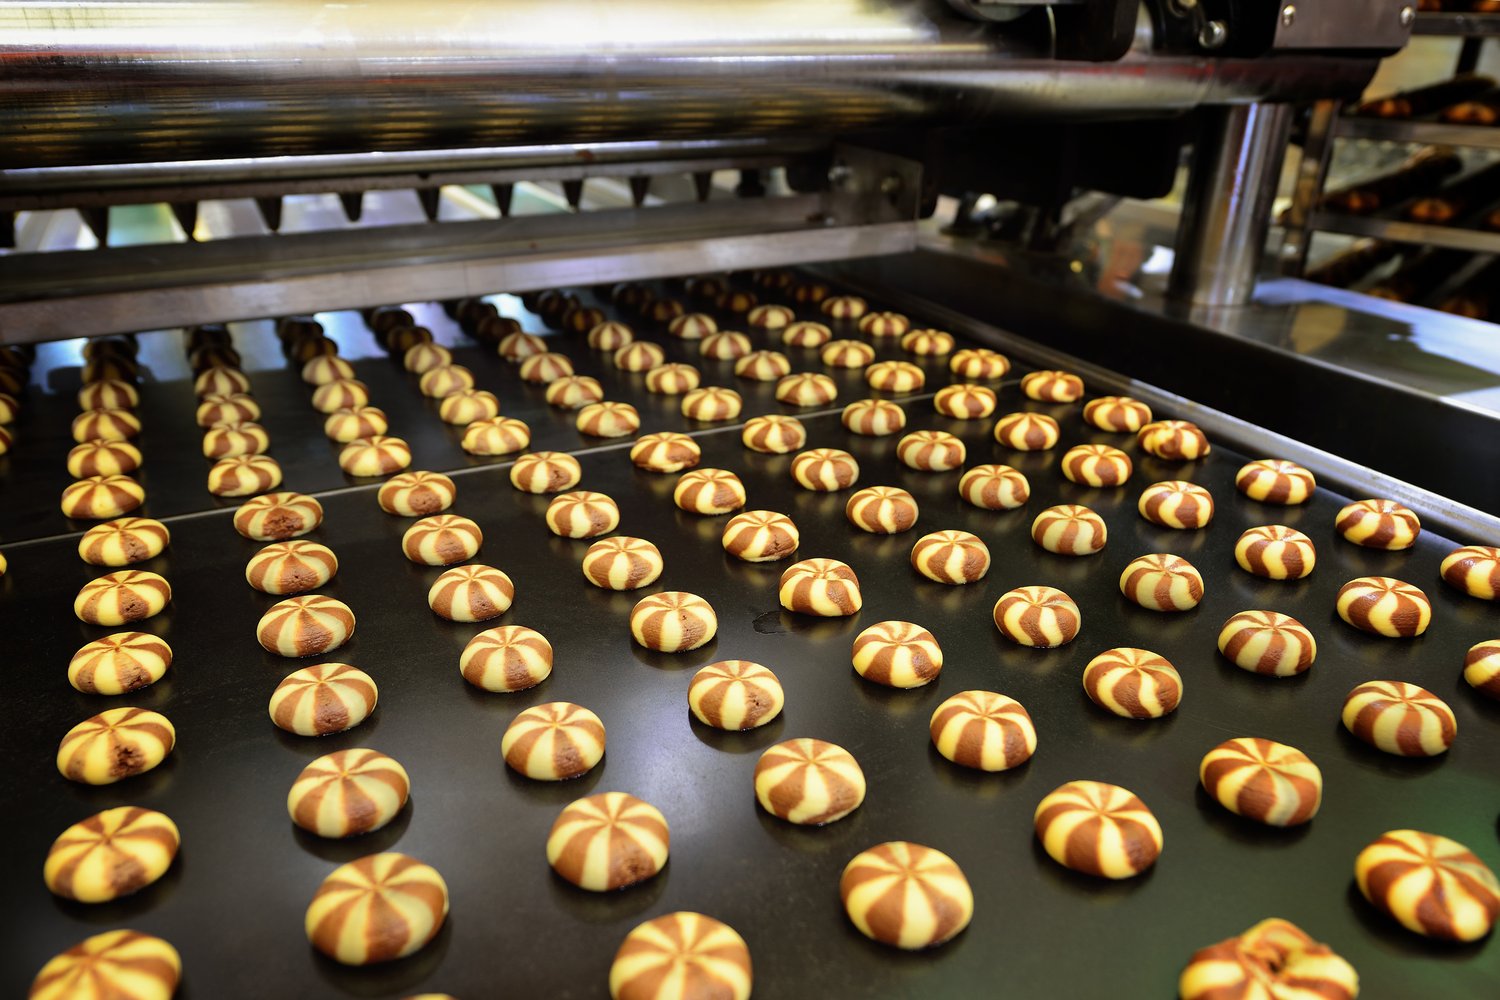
{"x": 1400, "y": 718}
{"x": 471, "y": 594}
{"x": 1117, "y": 413}
{"x": 672, "y": 379}
{"x": 380, "y": 455}
{"x": 665, "y": 451}
{"x": 505, "y": 659}
{"x": 806, "y": 335}
{"x": 305, "y": 626}
{"x": 100, "y": 459}
{"x": 906, "y": 895}
{"x": 1276, "y": 552}
{"x": 1273, "y": 959}
{"x": 846, "y": 307}
{"x": 465, "y": 406}
{"x": 979, "y": 364}
{"x": 608, "y": 420}
{"x": 825, "y": 470}
{"x": 710, "y": 492}
{"x": 1384, "y": 606}
{"x": 291, "y": 567}
{"x": 763, "y": 366}
{"x": 983, "y": 730}
{"x": 545, "y": 472}
{"x": 442, "y": 540}
{"x": 416, "y": 494}
{"x": 350, "y": 423}
{"x": 1177, "y": 504}
{"x": 1431, "y": 885}
{"x": 543, "y": 369}
{"x": 98, "y": 498}
{"x": 243, "y": 476}
{"x": 680, "y": 956}
{"x": 1267, "y": 642}
{"x": 1043, "y": 617}
{"x": 582, "y": 514}
{"x": 1027, "y": 431}
{"x": 809, "y": 782}
{"x": 322, "y": 699}
{"x": 927, "y": 343}
{"x": 951, "y": 556}
{"x": 276, "y": 517}
{"x": 897, "y": 654}
{"x": 622, "y": 563}
{"x": 824, "y": 588}
{"x": 964, "y": 402}
{"x": 119, "y": 963}
{"x": 639, "y": 356}
{"x": 609, "y": 336}
{"x": 847, "y": 354}
{"x": 1173, "y": 440}
{"x": 1098, "y": 829}
{"x": 1378, "y": 524}
{"x": 882, "y": 510}
{"x": 712, "y": 405}
{"x": 1482, "y": 667}
{"x": 895, "y": 377}
{"x": 1263, "y": 780}
{"x": 495, "y": 436}
{"x": 774, "y": 434}
{"x": 234, "y": 440}
{"x": 348, "y": 793}
{"x": 606, "y": 842}
{"x": 122, "y": 597}
{"x": 1096, "y": 465}
{"x": 806, "y": 389}
{"x": 873, "y": 417}
{"x": 123, "y": 542}
{"x": 727, "y": 345}
{"x": 1069, "y": 530}
{"x": 735, "y": 695}
{"x": 760, "y": 536}
{"x": 119, "y": 663}
{"x": 111, "y": 854}
{"x": 994, "y": 487}
{"x": 377, "y": 909}
{"x": 1133, "y": 683}
{"x": 673, "y": 622}
{"x": 1272, "y": 480}
{"x": 1162, "y": 582}
{"x": 1475, "y": 570}
{"x": 553, "y": 742}
{"x": 931, "y": 451}
{"x": 1050, "y": 386}
{"x": 116, "y": 744}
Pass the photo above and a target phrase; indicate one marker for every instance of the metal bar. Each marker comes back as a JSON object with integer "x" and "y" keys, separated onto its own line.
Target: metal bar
{"x": 1428, "y": 132}
{"x": 1445, "y": 23}
{"x": 1408, "y": 232}
{"x": 1312, "y": 174}
{"x": 1227, "y": 210}
{"x": 90, "y": 82}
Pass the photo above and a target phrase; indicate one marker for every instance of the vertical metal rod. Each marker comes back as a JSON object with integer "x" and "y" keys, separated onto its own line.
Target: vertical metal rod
{"x": 1227, "y": 211}
{"x": 1312, "y": 174}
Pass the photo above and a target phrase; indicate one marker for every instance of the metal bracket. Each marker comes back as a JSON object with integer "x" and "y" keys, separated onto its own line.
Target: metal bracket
{"x": 865, "y": 186}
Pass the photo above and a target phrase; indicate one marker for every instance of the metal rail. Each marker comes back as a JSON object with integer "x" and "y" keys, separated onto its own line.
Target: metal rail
{"x": 1399, "y": 231}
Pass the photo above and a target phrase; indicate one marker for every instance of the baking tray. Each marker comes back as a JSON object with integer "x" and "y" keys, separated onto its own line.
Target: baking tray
{"x": 233, "y": 902}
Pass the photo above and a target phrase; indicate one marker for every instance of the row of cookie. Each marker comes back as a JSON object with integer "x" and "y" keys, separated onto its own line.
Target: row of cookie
{"x": 15, "y": 365}
{"x": 105, "y": 457}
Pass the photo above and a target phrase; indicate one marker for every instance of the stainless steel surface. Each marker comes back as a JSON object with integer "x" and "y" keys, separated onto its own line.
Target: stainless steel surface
{"x": 1444, "y": 23}
{"x": 1348, "y": 24}
{"x": 1428, "y": 132}
{"x": 1408, "y": 232}
{"x": 1312, "y": 175}
{"x": 101, "y": 82}
{"x": 1227, "y": 208}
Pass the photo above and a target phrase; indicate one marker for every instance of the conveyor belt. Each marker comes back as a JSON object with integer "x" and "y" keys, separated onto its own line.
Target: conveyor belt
{"x": 233, "y": 902}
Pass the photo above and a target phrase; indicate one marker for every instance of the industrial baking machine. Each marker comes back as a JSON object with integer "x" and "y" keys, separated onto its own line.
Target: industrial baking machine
{"x": 787, "y": 153}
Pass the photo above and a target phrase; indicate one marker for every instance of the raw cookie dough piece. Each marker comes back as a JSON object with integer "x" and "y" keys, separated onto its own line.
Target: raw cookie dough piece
{"x": 305, "y": 626}
{"x": 760, "y": 536}
{"x": 1177, "y": 503}
{"x": 895, "y": 376}
{"x": 114, "y": 964}
{"x": 554, "y": 741}
{"x": 1385, "y": 606}
{"x": 1069, "y": 530}
{"x": 117, "y": 394}
{"x": 931, "y": 451}
{"x": 1162, "y": 582}
{"x": 606, "y": 842}
{"x": 98, "y": 498}
{"x": 927, "y": 343}
{"x": 231, "y": 407}
{"x": 348, "y": 793}
{"x": 882, "y": 510}
{"x": 350, "y": 423}
{"x": 244, "y": 476}
{"x": 884, "y": 324}
{"x": 809, "y": 782}
{"x": 673, "y": 622}
{"x": 102, "y": 459}
{"x": 471, "y": 594}
{"x": 825, "y": 588}
{"x": 665, "y": 451}
{"x": 847, "y": 354}
{"x": 1263, "y": 780}
{"x": 1272, "y": 480}
{"x": 416, "y": 494}
{"x": 770, "y": 317}
{"x": 419, "y": 359}
{"x": 806, "y": 389}
{"x": 897, "y": 654}
{"x": 965, "y": 402}
{"x": 843, "y": 307}
{"x": 681, "y": 956}
{"x": 951, "y": 556}
{"x": 495, "y": 436}
{"x": 726, "y": 346}
{"x": 994, "y": 487}
{"x": 465, "y": 406}
{"x": 1429, "y": 884}
{"x": 805, "y": 334}
{"x": 712, "y": 404}
{"x": 610, "y": 336}
{"x": 291, "y": 567}
{"x": 1043, "y": 617}
{"x": 377, "y": 909}
{"x": 1400, "y": 718}
{"x": 582, "y": 514}
{"x": 710, "y": 492}
{"x": 1051, "y": 386}
{"x": 1474, "y": 569}
{"x": 129, "y": 595}
{"x": 873, "y": 417}
{"x": 123, "y": 541}
{"x": 979, "y": 364}
{"x": 672, "y": 379}
{"x": 438, "y": 382}
{"x": 275, "y": 517}
{"x": 1117, "y": 413}
{"x": 1378, "y": 524}
{"x": 622, "y": 563}
{"x": 1276, "y": 552}
{"x": 518, "y": 345}
{"x": 1098, "y": 829}
{"x": 1273, "y": 959}
{"x": 115, "y": 744}
{"x": 545, "y": 368}
{"x": 1268, "y": 642}
{"x": 608, "y": 420}
{"x": 1096, "y": 465}
{"x": 906, "y": 895}
{"x": 374, "y": 456}
{"x": 340, "y": 394}
{"x": 1482, "y": 667}
{"x": 825, "y": 470}
{"x": 774, "y": 434}
{"x": 1133, "y": 683}
{"x": 505, "y": 659}
{"x": 442, "y": 540}
{"x": 735, "y": 695}
{"x": 1027, "y": 431}
{"x": 763, "y": 366}
{"x": 983, "y": 730}
{"x": 545, "y": 472}
{"x": 639, "y": 356}
{"x": 328, "y": 368}
{"x": 234, "y": 440}
{"x": 1173, "y": 440}
{"x": 111, "y": 854}
{"x": 322, "y": 699}
{"x": 119, "y": 663}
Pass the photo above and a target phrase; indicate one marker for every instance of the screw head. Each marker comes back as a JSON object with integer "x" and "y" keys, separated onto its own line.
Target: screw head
{"x": 1288, "y": 15}
{"x": 1408, "y": 15}
{"x": 1213, "y": 35}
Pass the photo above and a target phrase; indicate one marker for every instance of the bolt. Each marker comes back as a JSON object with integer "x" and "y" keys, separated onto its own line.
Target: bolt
{"x": 1213, "y": 35}
{"x": 1288, "y": 15}
{"x": 839, "y": 174}
{"x": 1408, "y": 15}
{"x": 890, "y": 185}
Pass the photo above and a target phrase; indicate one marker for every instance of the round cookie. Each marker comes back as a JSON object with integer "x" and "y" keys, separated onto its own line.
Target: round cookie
{"x": 1263, "y": 780}
{"x": 673, "y": 622}
{"x": 1027, "y": 431}
{"x": 692, "y": 326}
{"x": 516, "y": 346}
{"x": 895, "y": 376}
{"x": 377, "y": 909}
{"x": 769, "y": 317}
{"x": 340, "y": 394}
{"x": 416, "y": 494}
{"x": 735, "y": 695}
{"x": 1482, "y": 667}
{"x": 681, "y": 956}
{"x": 438, "y": 382}
{"x": 505, "y": 659}
{"x": 964, "y": 402}
{"x": 582, "y": 514}
{"x": 897, "y": 654}
{"x": 1051, "y": 386}
{"x": 120, "y": 963}
{"x": 906, "y": 895}
{"x": 276, "y": 517}
{"x": 622, "y": 563}
{"x": 983, "y": 730}
{"x": 1273, "y": 959}
{"x": 119, "y": 663}
{"x": 882, "y": 510}
{"x": 1069, "y": 530}
{"x": 115, "y": 744}
{"x": 545, "y": 368}
{"x": 774, "y": 434}
{"x": 219, "y": 380}
{"x": 1384, "y": 606}
{"x": 1473, "y": 569}
{"x": 760, "y": 536}
{"x": 291, "y": 567}
{"x": 873, "y": 417}
{"x": 442, "y": 540}
{"x": 711, "y": 405}
{"x": 305, "y": 626}
{"x": 1133, "y": 683}
{"x": 1162, "y": 582}
{"x": 495, "y": 436}
{"x": 1043, "y": 617}
{"x": 825, "y": 588}
{"x": 98, "y": 498}
{"x": 1431, "y": 885}
{"x": 1117, "y": 413}
{"x": 726, "y": 346}
{"x": 979, "y": 364}
{"x": 1267, "y": 642}
{"x": 1272, "y": 480}
{"x": 994, "y": 487}
{"x": 123, "y": 542}
{"x": 380, "y": 455}
{"x": 951, "y": 556}
{"x": 1096, "y": 465}
{"x": 111, "y": 854}
{"x": 609, "y": 336}
{"x": 639, "y": 356}
{"x": 228, "y": 408}
{"x": 1400, "y": 718}
{"x": 608, "y": 420}
{"x": 1378, "y": 524}
{"x": 931, "y": 451}
{"x": 847, "y": 354}
{"x": 545, "y": 472}
{"x": 553, "y": 742}
{"x": 806, "y": 389}
{"x": 119, "y": 598}
{"x": 927, "y": 343}
{"x": 665, "y": 451}
{"x": 1098, "y": 829}
{"x": 843, "y": 307}
{"x": 348, "y": 793}
{"x": 806, "y": 335}
{"x": 763, "y": 366}
{"x": 350, "y": 423}
{"x": 422, "y": 358}
{"x": 672, "y": 379}
{"x": 322, "y": 699}
{"x": 471, "y": 594}
{"x": 329, "y": 367}
{"x": 825, "y": 470}
{"x": 809, "y": 782}
{"x": 102, "y": 459}
{"x": 606, "y": 842}
{"x": 117, "y": 394}
{"x": 1178, "y": 504}
{"x": 1276, "y": 552}
{"x": 884, "y": 324}
{"x": 1173, "y": 440}
{"x": 465, "y": 406}
{"x": 243, "y": 476}
{"x": 234, "y": 440}
{"x": 710, "y": 492}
